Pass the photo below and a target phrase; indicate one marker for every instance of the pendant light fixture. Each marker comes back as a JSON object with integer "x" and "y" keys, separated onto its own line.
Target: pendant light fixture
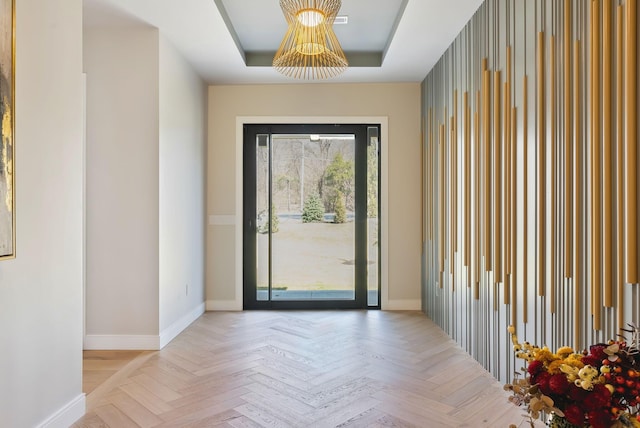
{"x": 310, "y": 49}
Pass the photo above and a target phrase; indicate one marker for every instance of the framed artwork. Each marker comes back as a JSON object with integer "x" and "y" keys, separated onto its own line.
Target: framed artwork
{"x": 7, "y": 69}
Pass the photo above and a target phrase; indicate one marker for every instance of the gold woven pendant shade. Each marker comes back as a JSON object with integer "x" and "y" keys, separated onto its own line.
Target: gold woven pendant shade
{"x": 310, "y": 49}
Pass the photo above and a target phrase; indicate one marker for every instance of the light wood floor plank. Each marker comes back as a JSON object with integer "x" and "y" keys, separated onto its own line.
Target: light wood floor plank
{"x": 298, "y": 369}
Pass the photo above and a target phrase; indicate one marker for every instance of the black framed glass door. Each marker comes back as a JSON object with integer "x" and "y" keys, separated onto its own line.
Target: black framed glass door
{"x": 310, "y": 232}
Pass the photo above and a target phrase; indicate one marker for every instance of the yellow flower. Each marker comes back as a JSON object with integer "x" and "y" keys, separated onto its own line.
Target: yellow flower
{"x": 554, "y": 367}
{"x": 564, "y": 351}
{"x": 571, "y": 372}
{"x": 574, "y": 360}
{"x": 544, "y": 355}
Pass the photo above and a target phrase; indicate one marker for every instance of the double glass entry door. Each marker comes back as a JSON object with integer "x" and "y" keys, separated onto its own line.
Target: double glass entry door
{"x": 311, "y": 211}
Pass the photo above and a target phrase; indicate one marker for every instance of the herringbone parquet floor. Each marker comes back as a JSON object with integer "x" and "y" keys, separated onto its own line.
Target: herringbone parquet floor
{"x": 303, "y": 369}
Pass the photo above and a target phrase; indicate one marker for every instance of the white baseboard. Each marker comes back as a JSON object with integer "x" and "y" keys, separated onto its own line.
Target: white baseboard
{"x": 224, "y": 305}
{"x": 67, "y": 415}
{"x": 121, "y": 342}
{"x": 169, "y": 333}
{"x": 403, "y": 305}
{"x": 390, "y": 305}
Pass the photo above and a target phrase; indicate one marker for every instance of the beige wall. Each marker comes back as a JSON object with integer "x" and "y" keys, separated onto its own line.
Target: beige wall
{"x": 400, "y": 103}
{"x": 146, "y": 145}
{"x": 183, "y": 104}
{"x": 41, "y": 289}
{"x": 122, "y": 184}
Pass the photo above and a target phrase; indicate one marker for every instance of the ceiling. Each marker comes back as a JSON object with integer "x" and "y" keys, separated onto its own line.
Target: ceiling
{"x": 232, "y": 41}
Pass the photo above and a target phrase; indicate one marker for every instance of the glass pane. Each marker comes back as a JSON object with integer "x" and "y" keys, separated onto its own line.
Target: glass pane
{"x": 313, "y": 238}
{"x": 262, "y": 220}
{"x": 372, "y": 223}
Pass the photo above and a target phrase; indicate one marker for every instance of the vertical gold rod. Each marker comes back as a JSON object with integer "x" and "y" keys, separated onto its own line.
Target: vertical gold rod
{"x": 467, "y": 183}
{"x": 497, "y": 153}
{"x": 454, "y": 141}
{"x": 596, "y": 200}
{"x": 619, "y": 166}
{"x": 568, "y": 142}
{"x": 430, "y": 172}
{"x": 426, "y": 178}
{"x": 441, "y": 228}
{"x": 454, "y": 170}
{"x": 423, "y": 184}
{"x": 509, "y": 175}
{"x": 487, "y": 169}
{"x": 478, "y": 209}
{"x": 424, "y": 144}
{"x": 506, "y": 235}
{"x": 542, "y": 171}
{"x": 554, "y": 165}
{"x": 631, "y": 152}
{"x": 607, "y": 196}
{"x": 578, "y": 279}
{"x": 513, "y": 213}
{"x": 453, "y": 215}
{"x": 525, "y": 207}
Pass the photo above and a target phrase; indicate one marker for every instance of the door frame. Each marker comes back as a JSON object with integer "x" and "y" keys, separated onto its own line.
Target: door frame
{"x": 384, "y": 190}
{"x": 360, "y": 150}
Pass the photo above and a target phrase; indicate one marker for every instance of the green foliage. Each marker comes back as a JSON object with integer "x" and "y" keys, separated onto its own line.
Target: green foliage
{"x": 263, "y": 222}
{"x": 338, "y": 177}
{"x": 340, "y": 209}
{"x": 313, "y": 210}
{"x": 339, "y": 174}
{"x": 372, "y": 181}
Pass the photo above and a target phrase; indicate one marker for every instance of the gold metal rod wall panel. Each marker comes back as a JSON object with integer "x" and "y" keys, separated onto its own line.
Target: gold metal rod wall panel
{"x": 507, "y": 181}
{"x": 478, "y": 205}
{"x": 578, "y": 278}
{"x": 426, "y": 153}
{"x": 507, "y": 195}
{"x": 509, "y": 174}
{"x": 486, "y": 126}
{"x": 424, "y": 188}
{"x": 497, "y": 171}
{"x": 525, "y": 205}
{"x": 554, "y": 170}
{"x": 453, "y": 214}
{"x": 467, "y": 182}
{"x": 568, "y": 142}
{"x": 441, "y": 197}
{"x": 631, "y": 150}
{"x": 596, "y": 199}
{"x": 454, "y": 142}
{"x": 481, "y": 195}
{"x": 607, "y": 172}
{"x": 619, "y": 281}
{"x": 513, "y": 209}
{"x": 429, "y": 180}
{"x": 430, "y": 173}
{"x": 542, "y": 171}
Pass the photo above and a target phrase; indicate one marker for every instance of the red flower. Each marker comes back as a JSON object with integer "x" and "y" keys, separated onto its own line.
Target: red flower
{"x": 598, "y": 351}
{"x": 592, "y": 360}
{"x": 574, "y": 415}
{"x": 542, "y": 379}
{"x": 599, "y": 418}
{"x": 598, "y": 398}
{"x": 558, "y": 383}
{"x": 534, "y": 367}
{"x": 577, "y": 394}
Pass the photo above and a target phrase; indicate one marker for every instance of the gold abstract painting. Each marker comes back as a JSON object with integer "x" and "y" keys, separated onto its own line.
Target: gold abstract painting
{"x": 7, "y": 211}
